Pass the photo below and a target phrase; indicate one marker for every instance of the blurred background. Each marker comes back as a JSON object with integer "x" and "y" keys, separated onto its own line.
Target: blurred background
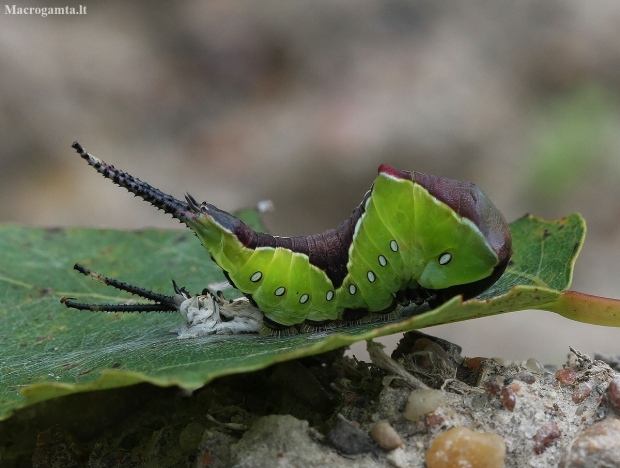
{"x": 299, "y": 102}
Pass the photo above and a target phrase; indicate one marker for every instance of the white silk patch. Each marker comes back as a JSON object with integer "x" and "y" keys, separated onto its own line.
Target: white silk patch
{"x": 207, "y": 315}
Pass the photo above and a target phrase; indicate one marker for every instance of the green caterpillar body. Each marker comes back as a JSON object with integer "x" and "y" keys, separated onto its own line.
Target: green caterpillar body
{"x": 414, "y": 237}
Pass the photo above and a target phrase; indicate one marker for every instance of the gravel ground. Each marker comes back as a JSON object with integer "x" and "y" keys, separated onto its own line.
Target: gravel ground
{"x": 331, "y": 410}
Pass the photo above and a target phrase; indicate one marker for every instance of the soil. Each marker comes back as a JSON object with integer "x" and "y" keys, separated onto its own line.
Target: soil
{"x": 319, "y": 411}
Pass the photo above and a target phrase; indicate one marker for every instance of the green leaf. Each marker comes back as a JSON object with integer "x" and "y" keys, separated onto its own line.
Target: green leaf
{"x": 48, "y": 350}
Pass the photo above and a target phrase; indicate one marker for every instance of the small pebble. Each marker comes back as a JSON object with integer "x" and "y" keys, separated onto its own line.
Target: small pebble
{"x": 502, "y": 362}
{"x": 525, "y": 377}
{"x": 348, "y": 439}
{"x": 597, "y": 446}
{"x": 474, "y": 363}
{"x": 462, "y": 447}
{"x": 508, "y": 398}
{"x": 544, "y": 436}
{"x": 566, "y": 376}
{"x": 397, "y": 458}
{"x": 479, "y": 401}
{"x": 385, "y": 436}
{"x": 535, "y": 367}
{"x": 492, "y": 387}
{"x": 434, "y": 420}
{"x": 613, "y": 395}
{"x": 423, "y": 401}
{"x": 581, "y": 392}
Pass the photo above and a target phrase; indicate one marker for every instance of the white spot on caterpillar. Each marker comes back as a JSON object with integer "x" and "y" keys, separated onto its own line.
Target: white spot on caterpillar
{"x": 393, "y": 246}
{"x": 352, "y": 289}
{"x": 445, "y": 258}
{"x": 280, "y": 291}
{"x": 382, "y": 260}
{"x": 304, "y": 298}
{"x": 255, "y": 278}
{"x": 330, "y": 295}
{"x": 371, "y": 276}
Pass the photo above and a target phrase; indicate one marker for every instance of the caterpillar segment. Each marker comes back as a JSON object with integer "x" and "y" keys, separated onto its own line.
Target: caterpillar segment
{"x": 414, "y": 237}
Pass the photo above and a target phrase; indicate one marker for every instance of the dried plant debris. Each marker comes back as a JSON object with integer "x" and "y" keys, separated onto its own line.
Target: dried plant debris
{"x": 424, "y": 404}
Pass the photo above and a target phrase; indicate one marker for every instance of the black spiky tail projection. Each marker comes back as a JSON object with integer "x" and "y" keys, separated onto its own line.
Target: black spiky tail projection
{"x": 189, "y": 212}
{"x": 162, "y": 302}
{"x": 183, "y": 211}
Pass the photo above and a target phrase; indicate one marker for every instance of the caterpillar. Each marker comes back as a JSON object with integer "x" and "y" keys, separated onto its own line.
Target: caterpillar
{"x": 414, "y": 238}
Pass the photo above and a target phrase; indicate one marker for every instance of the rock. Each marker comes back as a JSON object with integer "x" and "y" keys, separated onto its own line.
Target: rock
{"x": 423, "y": 401}
{"x": 397, "y": 458}
{"x": 214, "y": 450}
{"x": 581, "y": 392}
{"x": 284, "y": 441}
{"x": 545, "y": 436}
{"x": 508, "y": 398}
{"x": 566, "y": 376}
{"x": 272, "y": 441}
{"x": 460, "y": 446}
{"x": 596, "y": 447}
{"x": 349, "y": 439}
{"x": 613, "y": 395}
{"x": 385, "y": 436}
